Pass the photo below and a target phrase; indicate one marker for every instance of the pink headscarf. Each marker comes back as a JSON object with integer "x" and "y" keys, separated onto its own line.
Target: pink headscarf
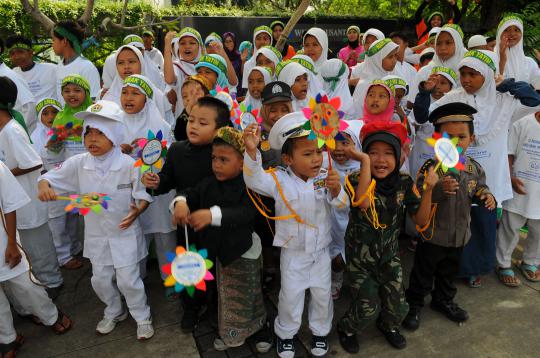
{"x": 388, "y": 112}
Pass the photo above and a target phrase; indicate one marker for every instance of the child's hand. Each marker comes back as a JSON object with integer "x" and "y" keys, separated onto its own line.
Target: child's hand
{"x": 499, "y": 79}
{"x": 518, "y": 185}
{"x": 200, "y": 219}
{"x": 45, "y": 192}
{"x": 431, "y": 82}
{"x": 333, "y": 183}
{"x": 169, "y": 37}
{"x": 181, "y": 213}
{"x": 12, "y": 255}
{"x": 353, "y": 154}
{"x": 134, "y": 212}
{"x": 489, "y": 201}
{"x": 450, "y": 185}
{"x": 252, "y": 138}
{"x": 126, "y": 148}
{"x": 244, "y": 55}
{"x": 431, "y": 179}
{"x": 172, "y": 98}
{"x": 150, "y": 180}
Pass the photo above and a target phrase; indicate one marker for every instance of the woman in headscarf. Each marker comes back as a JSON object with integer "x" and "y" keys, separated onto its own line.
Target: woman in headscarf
{"x": 231, "y": 49}
{"x": 370, "y": 36}
{"x": 335, "y": 74}
{"x": 512, "y": 60}
{"x": 277, "y": 28}
{"x": 262, "y": 36}
{"x": 350, "y": 54}
{"x": 315, "y": 44}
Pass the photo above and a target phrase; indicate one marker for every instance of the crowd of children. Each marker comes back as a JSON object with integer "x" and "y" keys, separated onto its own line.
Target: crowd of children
{"x": 244, "y": 178}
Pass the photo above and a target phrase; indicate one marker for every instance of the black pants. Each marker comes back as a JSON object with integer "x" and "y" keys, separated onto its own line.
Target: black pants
{"x": 435, "y": 268}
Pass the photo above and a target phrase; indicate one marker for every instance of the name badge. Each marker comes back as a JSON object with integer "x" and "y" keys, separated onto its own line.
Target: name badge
{"x": 319, "y": 182}
{"x": 124, "y": 186}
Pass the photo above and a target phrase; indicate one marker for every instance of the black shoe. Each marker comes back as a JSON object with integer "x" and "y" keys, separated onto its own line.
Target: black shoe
{"x": 394, "y": 337}
{"x": 190, "y": 319}
{"x": 285, "y": 348}
{"x": 349, "y": 343}
{"x": 451, "y": 310}
{"x": 412, "y": 319}
{"x": 319, "y": 346}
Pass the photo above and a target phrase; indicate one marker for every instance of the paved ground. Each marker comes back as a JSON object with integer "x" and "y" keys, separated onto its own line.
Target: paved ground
{"x": 504, "y": 323}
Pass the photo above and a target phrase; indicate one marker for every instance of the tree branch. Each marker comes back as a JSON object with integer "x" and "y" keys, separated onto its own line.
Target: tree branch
{"x": 87, "y": 14}
{"x": 124, "y": 10}
{"x": 108, "y": 22}
{"x": 37, "y": 15}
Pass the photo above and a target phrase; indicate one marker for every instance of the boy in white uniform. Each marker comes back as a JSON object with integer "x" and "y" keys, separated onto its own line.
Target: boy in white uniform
{"x": 113, "y": 240}
{"x": 15, "y": 282}
{"x": 304, "y": 194}
{"x": 25, "y": 164}
{"x": 523, "y": 208}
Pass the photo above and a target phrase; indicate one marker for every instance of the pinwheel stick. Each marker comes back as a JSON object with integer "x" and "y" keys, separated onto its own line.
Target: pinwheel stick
{"x": 302, "y": 7}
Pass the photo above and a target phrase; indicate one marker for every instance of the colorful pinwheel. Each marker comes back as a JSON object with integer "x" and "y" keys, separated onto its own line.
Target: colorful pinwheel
{"x": 324, "y": 120}
{"x": 246, "y": 116}
{"x": 83, "y": 203}
{"x": 187, "y": 269}
{"x": 229, "y": 99}
{"x": 152, "y": 152}
{"x": 447, "y": 152}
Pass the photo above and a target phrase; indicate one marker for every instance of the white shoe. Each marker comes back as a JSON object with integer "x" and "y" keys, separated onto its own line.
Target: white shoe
{"x": 220, "y": 345}
{"x": 145, "y": 330}
{"x": 106, "y": 325}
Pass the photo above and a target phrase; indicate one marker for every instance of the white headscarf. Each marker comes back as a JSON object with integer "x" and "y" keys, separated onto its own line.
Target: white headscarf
{"x": 187, "y": 32}
{"x": 315, "y": 78}
{"x": 336, "y": 84}
{"x": 288, "y": 75}
{"x": 269, "y": 54}
{"x": 516, "y": 61}
{"x": 40, "y": 136}
{"x": 372, "y": 70}
{"x": 252, "y": 62}
{"x": 373, "y": 32}
{"x": 256, "y": 103}
{"x": 322, "y": 38}
{"x": 354, "y": 128}
{"x": 460, "y": 50}
{"x": 113, "y": 94}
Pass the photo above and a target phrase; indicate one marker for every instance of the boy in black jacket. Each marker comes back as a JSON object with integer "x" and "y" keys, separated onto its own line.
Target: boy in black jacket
{"x": 220, "y": 210}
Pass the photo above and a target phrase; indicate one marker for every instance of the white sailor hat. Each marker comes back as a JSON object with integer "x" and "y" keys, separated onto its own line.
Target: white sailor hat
{"x": 289, "y": 126}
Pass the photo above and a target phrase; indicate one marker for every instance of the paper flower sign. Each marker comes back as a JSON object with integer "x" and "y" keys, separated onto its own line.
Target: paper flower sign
{"x": 247, "y": 117}
{"x": 324, "y": 120}
{"x": 84, "y": 203}
{"x": 447, "y": 152}
{"x": 230, "y": 100}
{"x": 187, "y": 270}
{"x": 152, "y": 152}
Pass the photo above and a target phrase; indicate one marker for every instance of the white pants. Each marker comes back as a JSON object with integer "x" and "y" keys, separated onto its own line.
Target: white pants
{"x": 32, "y": 298}
{"x": 301, "y": 271}
{"x": 38, "y": 244}
{"x": 508, "y": 238}
{"x": 64, "y": 233}
{"x": 128, "y": 283}
{"x": 164, "y": 242}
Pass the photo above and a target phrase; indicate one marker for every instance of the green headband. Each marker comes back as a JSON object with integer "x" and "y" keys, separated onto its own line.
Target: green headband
{"x": 76, "y": 80}
{"x": 510, "y": 18}
{"x": 306, "y": 64}
{"x": 435, "y": 14}
{"x": 46, "y": 103}
{"x": 395, "y": 82}
{"x": 282, "y": 64}
{"x": 482, "y": 57}
{"x": 216, "y": 35}
{"x": 148, "y": 33}
{"x": 191, "y": 32}
{"x": 19, "y": 45}
{"x": 139, "y": 83}
{"x": 213, "y": 61}
{"x": 335, "y": 79}
{"x": 382, "y": 83}
{"x": 275, "y": 51}
{"x": 263, "y": 28}
{"x": 71, "y": 37}
{"x": 277, "y": 22}
{"x": 455, "y": 27}
{"x": 450, "y": 72}
{"x": 378, "y": 46}
{"x": 132, "y": 38}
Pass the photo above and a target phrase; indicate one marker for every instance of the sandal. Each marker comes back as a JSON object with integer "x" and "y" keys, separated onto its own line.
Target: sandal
{"x": 73, "y": 264}
{"x": 530, "y": 272}
{"x": 507, "y": 277}
{"x": 9, "y": 350}
{"x": 475, "y": 282}
{"x": 62, "y": 324}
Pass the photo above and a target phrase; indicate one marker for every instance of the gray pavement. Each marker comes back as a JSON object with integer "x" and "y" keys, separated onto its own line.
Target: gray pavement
{"x": 504, "y": 323}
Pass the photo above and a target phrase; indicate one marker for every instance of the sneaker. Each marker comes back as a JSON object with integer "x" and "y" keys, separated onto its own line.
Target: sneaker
{"x": 106, "y": 325}
{"x": 145, "y": 330}
{"x": 451, "y": 310}
{"x": 412, "y": 319}
{"x": 263, "y": 339}
{"x": 393, "y": 336}
{"x": 319, "y": 346}
{"x": 285, "y": 348}
{"x": 348, "y": 341}
{"x": 190, "y": 318}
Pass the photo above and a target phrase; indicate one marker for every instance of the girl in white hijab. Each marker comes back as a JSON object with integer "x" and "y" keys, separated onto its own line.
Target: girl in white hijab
{"x": 113, "y": 94}
{"x": 335, "y": 74}
{"x": 296, "y": 76}
{"x": 256, "y": 86}
{"x": 315, "y": 45}
{"x": 262, "y": 36}
{"x": 268, "y": 56}
{"x": 155, "y": 221}
{"x": 513, "y": 62}
{"x": 357, "y": 70}
{"x": 315, "y": 78}
{"x": 381, "y": 58}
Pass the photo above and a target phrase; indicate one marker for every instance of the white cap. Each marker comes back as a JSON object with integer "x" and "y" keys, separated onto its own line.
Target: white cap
{"x": 426, "y": 51}
{"x": 105, "y": 116}
{"x": 104, "y": 109}
{"x": 476, "y": 40}
{"x": 288, "y": 126}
